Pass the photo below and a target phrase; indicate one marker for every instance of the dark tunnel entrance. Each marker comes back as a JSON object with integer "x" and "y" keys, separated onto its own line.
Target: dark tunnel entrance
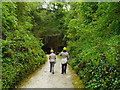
{"x": 55, "y": 42}
{"x": 47, "y": 50}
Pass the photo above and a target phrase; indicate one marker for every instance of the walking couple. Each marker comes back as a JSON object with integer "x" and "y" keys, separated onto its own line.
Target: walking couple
{"x": 64, "y": 57}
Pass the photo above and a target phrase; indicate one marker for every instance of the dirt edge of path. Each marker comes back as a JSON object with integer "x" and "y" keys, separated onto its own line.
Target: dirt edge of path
{"x": 25, "y": 80}
{"x": 77, "y": 83}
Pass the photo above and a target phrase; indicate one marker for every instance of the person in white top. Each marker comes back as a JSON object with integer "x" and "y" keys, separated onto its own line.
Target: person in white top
{"x": 64, "y": 58}
{"x": 52, "y": 59}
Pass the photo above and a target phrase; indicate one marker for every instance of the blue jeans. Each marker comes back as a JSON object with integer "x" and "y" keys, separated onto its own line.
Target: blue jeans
{"x": 52, "y": 67}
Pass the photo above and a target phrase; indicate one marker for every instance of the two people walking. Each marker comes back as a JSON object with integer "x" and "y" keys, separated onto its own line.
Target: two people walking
{"x": 64, "y": 57}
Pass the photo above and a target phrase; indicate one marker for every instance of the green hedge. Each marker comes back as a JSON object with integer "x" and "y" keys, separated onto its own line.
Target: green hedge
{"x": 97, "y": 69}
{"x": 21, "y": 51}
{"x": 93, "y": 42}
{"x": 20, "y": 56}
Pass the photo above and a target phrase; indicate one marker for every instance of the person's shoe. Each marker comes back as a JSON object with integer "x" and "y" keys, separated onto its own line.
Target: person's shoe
{"x": 52, "y": 72}
{"x": 61, "y": 73}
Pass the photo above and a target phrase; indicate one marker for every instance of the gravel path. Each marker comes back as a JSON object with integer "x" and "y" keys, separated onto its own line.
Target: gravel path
{"x": 44, "y": 79}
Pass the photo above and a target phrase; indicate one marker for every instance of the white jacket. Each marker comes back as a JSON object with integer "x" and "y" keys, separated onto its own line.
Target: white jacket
{"x": 52, "y": 57}
{"x": 64, "y": 56}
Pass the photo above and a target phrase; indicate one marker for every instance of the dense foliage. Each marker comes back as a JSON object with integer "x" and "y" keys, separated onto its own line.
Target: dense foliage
{"x": 21, "y": 51}
{"x": 48, "y": 24}
{"x": 93, "y": 36}
{"x": 91, "y": 31}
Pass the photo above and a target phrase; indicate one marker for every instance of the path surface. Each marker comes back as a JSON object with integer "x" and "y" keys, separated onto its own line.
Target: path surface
{"x": 44, "y": 79}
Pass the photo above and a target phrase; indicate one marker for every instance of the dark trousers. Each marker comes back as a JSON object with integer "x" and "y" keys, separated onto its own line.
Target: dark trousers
{"x": 52, "y": 67}
{"x": 64, "y": 67}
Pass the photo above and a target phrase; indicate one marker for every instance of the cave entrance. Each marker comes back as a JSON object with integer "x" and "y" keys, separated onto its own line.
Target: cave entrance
{"x": 53, "y": 41}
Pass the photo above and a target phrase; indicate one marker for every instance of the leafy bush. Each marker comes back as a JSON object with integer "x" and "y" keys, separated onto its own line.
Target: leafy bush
{"x": 93, "y": 43}
{"x": 21, "y": 51}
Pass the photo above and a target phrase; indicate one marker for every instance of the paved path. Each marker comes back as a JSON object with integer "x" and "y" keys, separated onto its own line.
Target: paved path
{"x": 44, "y": 79}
